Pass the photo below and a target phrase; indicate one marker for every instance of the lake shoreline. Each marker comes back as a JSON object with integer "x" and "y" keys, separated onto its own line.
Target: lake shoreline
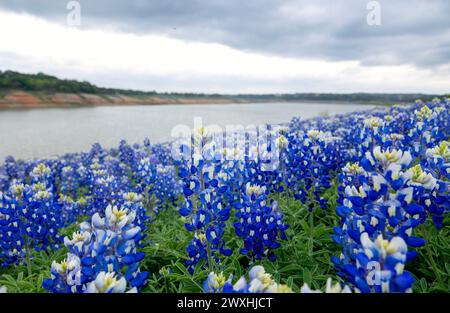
{"x": 4, "y": 106}
{"x": 40, "y": 91}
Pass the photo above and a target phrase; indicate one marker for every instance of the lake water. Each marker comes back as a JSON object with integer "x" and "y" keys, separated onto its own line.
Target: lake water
{"x": 48, "y": 132}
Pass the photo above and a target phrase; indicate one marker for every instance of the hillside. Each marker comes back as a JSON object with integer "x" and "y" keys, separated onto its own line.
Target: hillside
{"x": 18, "y": 90}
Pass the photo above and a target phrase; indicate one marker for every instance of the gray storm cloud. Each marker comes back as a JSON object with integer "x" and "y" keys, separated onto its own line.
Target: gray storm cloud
{"x": 412, "y": 32}
{"x": 230, "y": 46}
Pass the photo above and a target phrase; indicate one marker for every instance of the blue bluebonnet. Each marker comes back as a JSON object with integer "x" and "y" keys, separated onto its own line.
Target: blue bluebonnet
{"x": 204, "y": 209}
{"x": 159, "y": 183}
{"x": 380, "y": 266}
{"x": 106, "y": 245}
{"x": 30, "y": 217}
{"x": 107, "y": 282}
{"x": 259, "y": 282}
{"x": 259, "y": 224}
{"x": 378, "y": 199}
{"x": 438, "y": 163}
{"x": 329, "y": 288}
{"x": 312, "y": 159}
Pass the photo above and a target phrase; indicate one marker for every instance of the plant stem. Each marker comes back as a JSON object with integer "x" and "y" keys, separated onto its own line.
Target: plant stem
{"x": 210, "y": 260}
{"x": 429, "y": 253}
{"x": 311, "y": 229}
{"x": 27, "y": 255}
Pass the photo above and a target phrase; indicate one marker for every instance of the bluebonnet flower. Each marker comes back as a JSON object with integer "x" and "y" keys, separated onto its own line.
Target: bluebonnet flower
{"x": 262, "y": 165}
{"x": 329, "y": 288}
{"x": 438, "y": 163}
{"x": 380, "y": 266}
{"x": 259, "y": 282}
{"x": 385, "y": 197}
{"x": 163, "y": 154}
{"x": 207, "y": 223}
{"x": 312, "y": 158}
{"x": 30, "y": 217}
{"x": 70, "y": 181}
{"x": 107, "y": 282}
{"x": 71, "y": 209}
{"x": 438, "y": 158}
{"x": 66, "y": 275}
{"x": 260, "y": 225}
{"x": 11, "y": 239}
{"x": 127, "y": 156}
{"x": 204, "y": 209}
{"x": 12, "y": 169}
{"x": 107, "y": 244}
{"x": 215, "y": 283}
{"x": 423, "y": 131}
{"x": 380, "y": 200}
{"x": 158, "y": 183}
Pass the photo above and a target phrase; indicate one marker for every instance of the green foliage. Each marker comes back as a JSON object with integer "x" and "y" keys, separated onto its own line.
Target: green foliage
{"x": 18, "y": 280}
{"x": 303, "y": 258}
{"x": 432, "y": 266}
{"x": 10, "y": 80}
{"x": 42, "y": 82}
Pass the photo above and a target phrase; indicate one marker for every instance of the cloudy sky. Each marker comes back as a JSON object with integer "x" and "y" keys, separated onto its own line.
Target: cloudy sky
{"x": 233, "y": 46}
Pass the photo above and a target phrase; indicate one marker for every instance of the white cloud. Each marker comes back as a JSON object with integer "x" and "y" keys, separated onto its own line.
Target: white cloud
{"x": 137, "y": 61}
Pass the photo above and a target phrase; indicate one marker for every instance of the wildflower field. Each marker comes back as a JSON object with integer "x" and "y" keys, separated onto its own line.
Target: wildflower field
{"x": 354, "y": 203}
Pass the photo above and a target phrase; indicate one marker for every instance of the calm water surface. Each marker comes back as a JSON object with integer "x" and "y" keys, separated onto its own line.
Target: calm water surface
{"x": 49, "y": 132}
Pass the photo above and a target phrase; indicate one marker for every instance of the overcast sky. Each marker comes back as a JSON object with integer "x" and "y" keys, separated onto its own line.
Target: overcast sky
{"x": 230, "y": 46}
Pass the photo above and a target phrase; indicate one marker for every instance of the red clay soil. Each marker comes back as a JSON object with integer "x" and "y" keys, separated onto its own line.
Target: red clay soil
{"x": 28, "y": 100}
{"x": 20, "y": 99}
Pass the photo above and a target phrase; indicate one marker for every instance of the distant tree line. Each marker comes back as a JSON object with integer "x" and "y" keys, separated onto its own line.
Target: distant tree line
{"x": 10, "y": 80}
{"x": 42, "y": 82}
{"x": 348, "y": 97}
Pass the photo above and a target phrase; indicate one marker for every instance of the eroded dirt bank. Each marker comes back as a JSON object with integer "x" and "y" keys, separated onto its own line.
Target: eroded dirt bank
{"x": 28, "y": 100}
